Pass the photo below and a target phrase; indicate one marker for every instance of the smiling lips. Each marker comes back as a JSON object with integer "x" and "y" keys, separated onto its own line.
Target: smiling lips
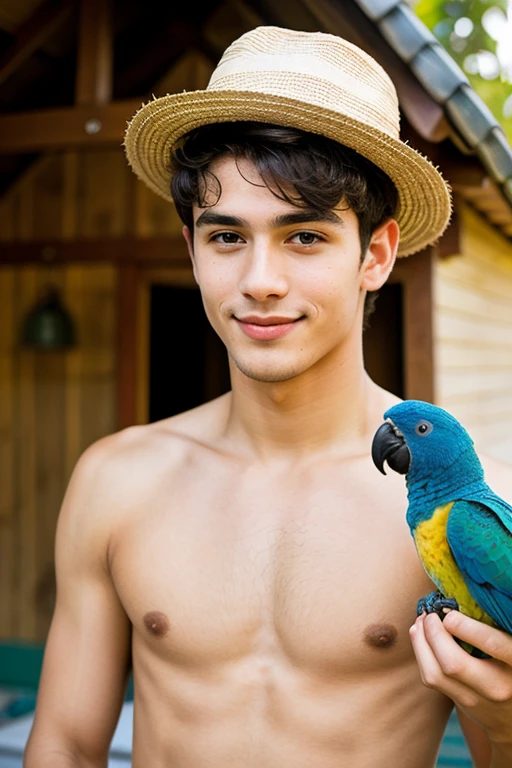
{"x": 266, "y": 328}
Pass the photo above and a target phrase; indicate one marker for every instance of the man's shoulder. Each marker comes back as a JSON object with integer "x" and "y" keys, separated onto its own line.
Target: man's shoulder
{"x": 118, "y": 472}
{"x": 139, "y": 451}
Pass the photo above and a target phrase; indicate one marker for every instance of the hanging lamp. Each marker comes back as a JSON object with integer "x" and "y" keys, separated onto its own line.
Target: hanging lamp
{"x": 48, "y": 325}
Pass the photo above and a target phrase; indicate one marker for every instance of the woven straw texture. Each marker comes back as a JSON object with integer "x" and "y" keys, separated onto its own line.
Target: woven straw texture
{"x": 309, "y": 80}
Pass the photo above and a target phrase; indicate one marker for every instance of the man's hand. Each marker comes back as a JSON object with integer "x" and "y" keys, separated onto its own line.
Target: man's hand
{"x": 481, "y": 688}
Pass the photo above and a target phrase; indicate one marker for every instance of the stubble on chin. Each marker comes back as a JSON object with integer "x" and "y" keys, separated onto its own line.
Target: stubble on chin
{"x": 267, "y": 374}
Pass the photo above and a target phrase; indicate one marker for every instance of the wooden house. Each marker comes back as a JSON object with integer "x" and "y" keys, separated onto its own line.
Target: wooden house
{"x": 73, "y": 215}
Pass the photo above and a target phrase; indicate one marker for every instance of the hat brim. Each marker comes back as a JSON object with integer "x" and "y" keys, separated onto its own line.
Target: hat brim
{"x": 424, "y": 196}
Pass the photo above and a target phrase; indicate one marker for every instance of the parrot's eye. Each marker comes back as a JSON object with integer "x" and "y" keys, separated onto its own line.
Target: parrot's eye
{"x": 424, "y": 428}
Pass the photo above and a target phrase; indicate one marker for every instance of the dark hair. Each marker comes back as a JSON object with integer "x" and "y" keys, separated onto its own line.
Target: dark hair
{"x": 302, "y": 168}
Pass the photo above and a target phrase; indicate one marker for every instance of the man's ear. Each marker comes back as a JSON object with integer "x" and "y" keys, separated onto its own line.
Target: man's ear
{"x": 189, "y": 239}
{"x": 380, "y": 256}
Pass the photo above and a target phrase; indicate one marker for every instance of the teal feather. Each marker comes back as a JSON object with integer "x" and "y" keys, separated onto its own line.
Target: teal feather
{"x": 480, "y": 537}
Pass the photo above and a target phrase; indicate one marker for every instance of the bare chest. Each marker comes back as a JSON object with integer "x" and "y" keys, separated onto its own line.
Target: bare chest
{"x": 318, "y": 571}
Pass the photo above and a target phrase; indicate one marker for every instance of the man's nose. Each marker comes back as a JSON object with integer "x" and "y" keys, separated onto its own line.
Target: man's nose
{"x": 263, "y": 274}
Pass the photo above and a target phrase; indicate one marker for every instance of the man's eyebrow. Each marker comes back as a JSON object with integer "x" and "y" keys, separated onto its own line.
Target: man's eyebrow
{"x": 305, "y": 215}
{"x": 302, "y": 216}
{"x": 210, "y": 218}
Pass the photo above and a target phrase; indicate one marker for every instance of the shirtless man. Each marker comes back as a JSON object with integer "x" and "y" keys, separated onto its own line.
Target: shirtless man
{"x": 246, "y": 557}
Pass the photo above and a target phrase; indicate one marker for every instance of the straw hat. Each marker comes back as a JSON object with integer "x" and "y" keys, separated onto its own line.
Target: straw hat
{"x": 309, "y": 80}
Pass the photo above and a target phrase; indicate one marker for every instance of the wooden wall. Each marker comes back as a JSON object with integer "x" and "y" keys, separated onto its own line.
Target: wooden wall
{"x": 473, "y": 335}
{"x": 54, "y": 404}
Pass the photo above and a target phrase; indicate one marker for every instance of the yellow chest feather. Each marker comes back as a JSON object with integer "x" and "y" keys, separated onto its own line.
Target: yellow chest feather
{"x": 435, "y": 554}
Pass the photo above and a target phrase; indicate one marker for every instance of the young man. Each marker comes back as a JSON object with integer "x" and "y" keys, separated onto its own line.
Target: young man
{"x": 245, "y": 556}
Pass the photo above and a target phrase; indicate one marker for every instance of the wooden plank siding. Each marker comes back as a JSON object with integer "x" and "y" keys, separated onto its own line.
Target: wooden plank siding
{"x": 53, "y": 404}
{"x": 473, "y": 335}
{"x": 7, "y": 457}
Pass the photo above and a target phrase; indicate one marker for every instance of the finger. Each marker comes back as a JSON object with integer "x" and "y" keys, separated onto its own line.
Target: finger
{"x": 494, "y": 642}
{"x": 430, "y": 668}
{"x": 487, "y": 678}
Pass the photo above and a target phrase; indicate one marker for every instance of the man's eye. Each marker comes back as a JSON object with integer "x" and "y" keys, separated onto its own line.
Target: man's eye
{"x": 306, "y": 238}
{"x": 227, "y": 238}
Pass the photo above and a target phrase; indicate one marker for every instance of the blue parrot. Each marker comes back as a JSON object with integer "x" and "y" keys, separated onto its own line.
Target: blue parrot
{"x": 461, "y": 528}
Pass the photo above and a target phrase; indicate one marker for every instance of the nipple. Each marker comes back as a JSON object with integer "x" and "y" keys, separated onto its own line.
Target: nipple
{"x": 381, "y": 635}
{"x": 157, "y": 623}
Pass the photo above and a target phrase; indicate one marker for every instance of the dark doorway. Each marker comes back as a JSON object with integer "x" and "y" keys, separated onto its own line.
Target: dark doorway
{"x": 187, "y": 361}
{"x": 383, "y": 340}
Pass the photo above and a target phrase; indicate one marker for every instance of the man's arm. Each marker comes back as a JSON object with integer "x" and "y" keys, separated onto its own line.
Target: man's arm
{"x": 476, "y": 739}
{"x": 480, "y": 688}
{"x": 85, "y": 667}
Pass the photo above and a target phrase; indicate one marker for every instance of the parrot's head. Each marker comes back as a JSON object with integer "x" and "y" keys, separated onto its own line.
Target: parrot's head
{"x": 424, "y": 442}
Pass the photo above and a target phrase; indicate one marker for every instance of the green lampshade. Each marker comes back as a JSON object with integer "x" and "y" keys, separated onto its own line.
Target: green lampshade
{"x": 48, "y": 325}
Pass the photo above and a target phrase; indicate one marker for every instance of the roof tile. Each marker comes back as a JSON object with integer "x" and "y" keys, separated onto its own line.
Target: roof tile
{"x": 376, "y": 9}
{"x": 405, "y": 32}
{"x": 496, "y": 155}
{"x": 469, "y": 115}
{"x": 439, "y": 74}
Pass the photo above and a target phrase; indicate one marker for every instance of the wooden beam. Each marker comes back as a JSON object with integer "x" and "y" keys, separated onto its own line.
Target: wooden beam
{"x": 79, "y": 126}
{"x": 461, "y": 170}
{"x": 450, "y": 243}
{"x": 415, "y": 273}
{"x": 95, "y": 53}
{"x": 488, "y": 198}
{"x": 32, "y": 34}
{"x": 151, "y": 251}
{"x": 170, "y": 41}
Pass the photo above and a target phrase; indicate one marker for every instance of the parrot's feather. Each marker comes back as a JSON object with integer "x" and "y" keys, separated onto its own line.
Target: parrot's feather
{"x": 480, "y": 537}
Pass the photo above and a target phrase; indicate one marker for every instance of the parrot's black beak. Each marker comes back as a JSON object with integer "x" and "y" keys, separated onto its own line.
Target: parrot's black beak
{"x": 389, "y": 445}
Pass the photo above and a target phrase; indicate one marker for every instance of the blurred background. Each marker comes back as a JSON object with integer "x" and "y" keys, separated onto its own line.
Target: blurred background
{"x": 95, "y": 282}
{"x": 478, "y": 35}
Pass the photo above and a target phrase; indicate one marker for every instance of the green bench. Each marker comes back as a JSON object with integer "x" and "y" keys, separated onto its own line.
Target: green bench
{"x": 20, "y": 670}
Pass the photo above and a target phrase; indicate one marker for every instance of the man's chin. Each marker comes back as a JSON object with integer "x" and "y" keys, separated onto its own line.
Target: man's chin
{"x": 267, "y": 374}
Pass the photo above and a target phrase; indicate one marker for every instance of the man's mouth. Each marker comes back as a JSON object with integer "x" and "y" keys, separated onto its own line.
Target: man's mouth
{"x": 267, "y": 328}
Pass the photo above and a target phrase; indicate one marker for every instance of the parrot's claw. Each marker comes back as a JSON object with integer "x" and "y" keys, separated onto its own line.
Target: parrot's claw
{"x": 436, "y": 602}
{"x": 445, "y": 604}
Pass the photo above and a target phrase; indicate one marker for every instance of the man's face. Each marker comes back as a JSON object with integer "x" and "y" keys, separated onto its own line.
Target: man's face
{"x": 281, "y": 285}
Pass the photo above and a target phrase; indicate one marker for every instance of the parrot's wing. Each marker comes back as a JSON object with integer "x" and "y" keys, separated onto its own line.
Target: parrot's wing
{"x": 479, "y": 533}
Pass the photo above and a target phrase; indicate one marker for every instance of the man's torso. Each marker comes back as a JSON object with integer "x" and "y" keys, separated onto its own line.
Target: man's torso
{"x": 270, "y": 606}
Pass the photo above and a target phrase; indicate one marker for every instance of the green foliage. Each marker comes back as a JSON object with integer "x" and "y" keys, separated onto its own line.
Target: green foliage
{"x": 475, "y": 32}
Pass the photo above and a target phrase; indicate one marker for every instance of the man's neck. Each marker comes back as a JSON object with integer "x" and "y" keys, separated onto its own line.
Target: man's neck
{"x": 320, "y": 411}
